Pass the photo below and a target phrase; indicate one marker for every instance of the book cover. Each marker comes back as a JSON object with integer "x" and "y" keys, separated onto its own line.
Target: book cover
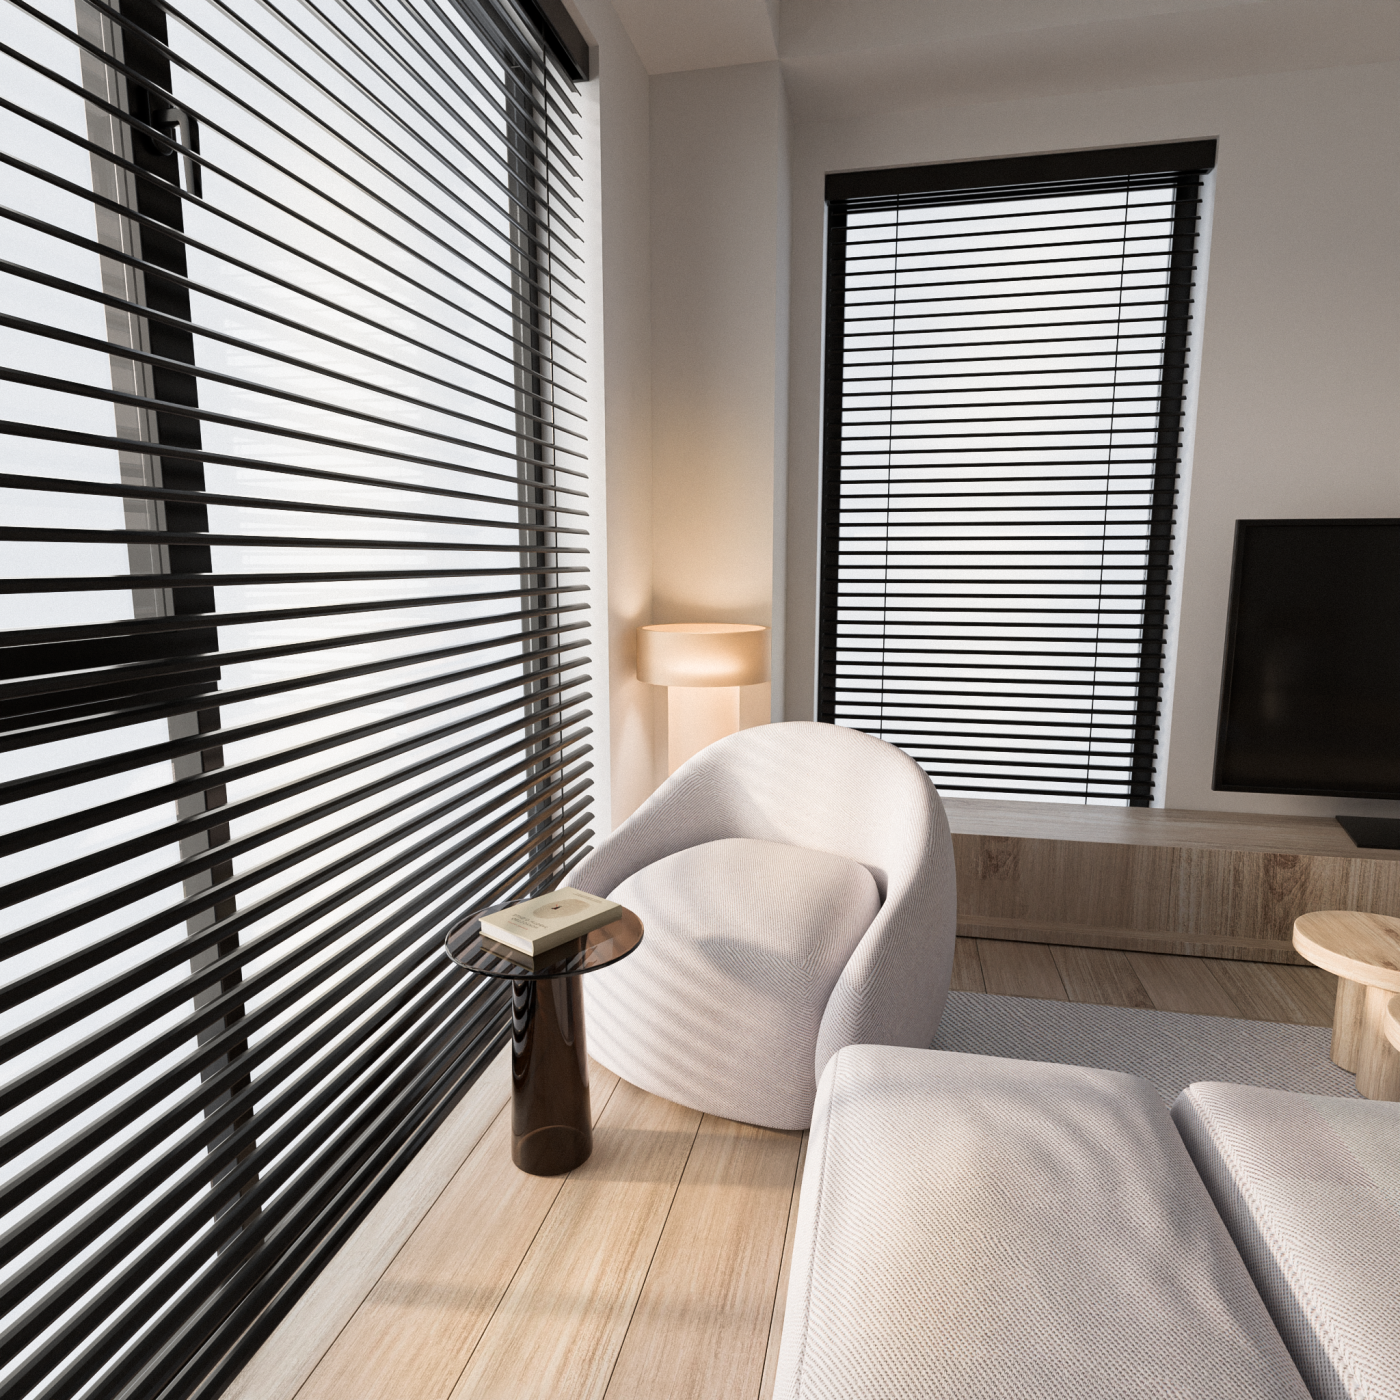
{"x": 548, "y": 920}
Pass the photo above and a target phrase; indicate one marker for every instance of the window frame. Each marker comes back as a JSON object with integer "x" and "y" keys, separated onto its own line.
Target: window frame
{"x": 1190, "y": 163}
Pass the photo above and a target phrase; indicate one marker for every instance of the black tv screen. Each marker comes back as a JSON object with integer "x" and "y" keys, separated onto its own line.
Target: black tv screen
{"x": 1310, "y": 699}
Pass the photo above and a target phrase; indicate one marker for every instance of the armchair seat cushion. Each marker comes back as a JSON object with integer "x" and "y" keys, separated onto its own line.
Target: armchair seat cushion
{"x": 720, "y": 1007}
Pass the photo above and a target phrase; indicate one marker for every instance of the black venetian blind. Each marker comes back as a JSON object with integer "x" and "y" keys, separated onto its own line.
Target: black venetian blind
{"x": 295, "y": 669}
{"x": 1006, "y": 364}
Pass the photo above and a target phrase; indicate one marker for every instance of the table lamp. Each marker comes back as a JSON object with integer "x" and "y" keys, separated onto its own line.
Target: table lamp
{"x": 703, "y": 664}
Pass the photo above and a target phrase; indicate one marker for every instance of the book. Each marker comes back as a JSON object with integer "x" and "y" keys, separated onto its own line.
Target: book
{"x": 548, "y": 920}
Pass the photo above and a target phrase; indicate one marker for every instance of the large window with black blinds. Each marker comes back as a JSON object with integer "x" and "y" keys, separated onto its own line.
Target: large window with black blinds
{"x": 295, "y": 545}
{"x": 1007, "y": 351}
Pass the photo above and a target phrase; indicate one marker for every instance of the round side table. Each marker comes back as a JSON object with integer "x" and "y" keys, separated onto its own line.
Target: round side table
{"x": 1364, "y": 951}
{"x": 1391, "y": 1025}
{"x": 551, "y": 1115}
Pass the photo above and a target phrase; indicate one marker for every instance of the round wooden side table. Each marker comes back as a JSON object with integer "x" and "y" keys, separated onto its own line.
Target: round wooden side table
{"x": 551, "y": 1113}
{"x": 1364, "y": 951}
{"x": 1391, "y": 1025}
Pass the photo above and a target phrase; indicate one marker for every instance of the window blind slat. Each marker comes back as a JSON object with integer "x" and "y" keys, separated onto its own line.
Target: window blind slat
{"x": 170, "y": 836}
{"x": 222, "y": 295}
{"x": 254, "y": 425}
{"x": 408, "y": 248}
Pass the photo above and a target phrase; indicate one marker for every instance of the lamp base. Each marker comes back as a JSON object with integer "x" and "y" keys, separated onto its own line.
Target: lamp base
{"x": 695, "y": 717}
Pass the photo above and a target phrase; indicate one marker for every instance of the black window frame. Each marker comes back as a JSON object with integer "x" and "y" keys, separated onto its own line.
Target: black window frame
{"x": 1188, "y": 163}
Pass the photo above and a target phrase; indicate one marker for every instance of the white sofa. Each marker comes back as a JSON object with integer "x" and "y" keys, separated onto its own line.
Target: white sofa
{"x": 973, "y": 1227}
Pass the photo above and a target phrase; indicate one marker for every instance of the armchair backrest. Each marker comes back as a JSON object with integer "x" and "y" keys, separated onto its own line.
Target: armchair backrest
{"x": 814, "y": 785}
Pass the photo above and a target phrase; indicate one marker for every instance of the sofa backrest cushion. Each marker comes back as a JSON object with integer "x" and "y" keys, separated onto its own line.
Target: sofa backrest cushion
{"x": 1310, "y": 1189}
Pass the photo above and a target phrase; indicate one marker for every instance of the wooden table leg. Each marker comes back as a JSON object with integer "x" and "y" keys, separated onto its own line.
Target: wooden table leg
{"x": 1347, "y": 1022}
{"x": 1378, "y": 1063}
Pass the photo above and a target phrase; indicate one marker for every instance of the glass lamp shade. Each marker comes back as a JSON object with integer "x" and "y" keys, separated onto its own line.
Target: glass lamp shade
{"x": 703, "y": 653}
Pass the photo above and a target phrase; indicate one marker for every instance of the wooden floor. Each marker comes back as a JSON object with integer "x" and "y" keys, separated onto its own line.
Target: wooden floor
{"x": 1253, "y": 991}
{"x": 654, "y": 1270}
{"x": 658, "y": 1268}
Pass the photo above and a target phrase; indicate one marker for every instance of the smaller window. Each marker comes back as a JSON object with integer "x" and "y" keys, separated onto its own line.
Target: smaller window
{"x": 1005, "y": 372}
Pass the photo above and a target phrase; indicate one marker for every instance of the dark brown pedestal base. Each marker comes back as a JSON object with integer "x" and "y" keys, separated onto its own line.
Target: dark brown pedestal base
{"x": 551, "y": 1116}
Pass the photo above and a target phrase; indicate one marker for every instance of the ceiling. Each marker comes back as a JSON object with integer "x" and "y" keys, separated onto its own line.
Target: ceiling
{"x": 842, "y": 58}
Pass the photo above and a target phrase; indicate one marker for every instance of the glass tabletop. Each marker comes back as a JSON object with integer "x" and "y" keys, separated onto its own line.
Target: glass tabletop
{"x": 601, "y": 947}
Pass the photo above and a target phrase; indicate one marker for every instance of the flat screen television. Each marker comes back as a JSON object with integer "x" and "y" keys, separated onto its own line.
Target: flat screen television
{"x": 1310, "y": 698}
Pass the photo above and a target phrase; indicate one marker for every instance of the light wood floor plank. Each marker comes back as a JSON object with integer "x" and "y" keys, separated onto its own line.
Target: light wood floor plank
{"x": 558, "y": 1330}
{"x": 1019, "y": 970}
{"x": 967, "y": 967}
{"x": 700, "y": 1329}
{"x": 1295, "y": 995}
{"x": 413, "y": 1334}
{"x": 775, "y": 1330}
{"x": 1099, "y": 977}
{"x": 1182, "y": 984}
{"x": 282, "y": 1364}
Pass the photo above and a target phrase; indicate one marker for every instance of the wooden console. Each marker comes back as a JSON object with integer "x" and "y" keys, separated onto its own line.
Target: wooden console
{"x": 1210, "y": 884}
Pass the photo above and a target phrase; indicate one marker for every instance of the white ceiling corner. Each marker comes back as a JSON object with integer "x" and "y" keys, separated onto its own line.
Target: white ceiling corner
{"x": 841, "y": 58}
{"x": 675, "y": 36}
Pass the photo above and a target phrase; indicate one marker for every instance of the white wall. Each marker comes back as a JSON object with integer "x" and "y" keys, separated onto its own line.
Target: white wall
{"x": 710, "y": 411}
{"x": 1299, "y": 405}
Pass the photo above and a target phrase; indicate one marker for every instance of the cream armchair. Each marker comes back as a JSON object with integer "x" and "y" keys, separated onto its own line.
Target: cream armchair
{"x": 796, "y": 884}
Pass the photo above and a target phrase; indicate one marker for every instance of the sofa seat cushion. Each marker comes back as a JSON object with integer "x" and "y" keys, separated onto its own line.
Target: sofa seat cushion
{"x": 719, "y": 1008}
{"x": 985, "y": 1229}
{"x": 1310, "y": 1189}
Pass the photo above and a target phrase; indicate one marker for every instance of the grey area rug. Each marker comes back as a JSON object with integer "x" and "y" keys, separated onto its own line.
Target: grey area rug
{"x": 1167, "y": 1048}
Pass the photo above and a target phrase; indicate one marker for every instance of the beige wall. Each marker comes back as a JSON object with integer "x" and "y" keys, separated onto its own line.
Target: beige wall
{"x": 719, "y": 245}
{"x": 1299, "y": 398}
{"x": 719, "y": 224}
{"x": 688, "y": 339}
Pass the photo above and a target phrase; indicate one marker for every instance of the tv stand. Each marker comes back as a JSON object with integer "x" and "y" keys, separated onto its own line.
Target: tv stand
{"x": 1373, "y": 833}
{"x": 1144, "y": 879}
